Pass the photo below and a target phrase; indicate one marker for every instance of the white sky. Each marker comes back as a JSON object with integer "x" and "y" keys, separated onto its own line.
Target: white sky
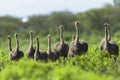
{"x": 24, "y": 8}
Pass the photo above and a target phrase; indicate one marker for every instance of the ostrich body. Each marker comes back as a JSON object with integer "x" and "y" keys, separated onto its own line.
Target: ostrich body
{"x": 110, "y": 46}
{"x": 78, "y": 47}
{"x": 31, "y": 49}
{"x": 52, "y": 55}
{"x": 61, "y": 48}
{"x": 40, "y": 55}
{"x": 15, "y": 54}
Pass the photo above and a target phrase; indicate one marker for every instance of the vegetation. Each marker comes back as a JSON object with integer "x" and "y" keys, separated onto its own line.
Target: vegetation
{"x": 92, "y": 66}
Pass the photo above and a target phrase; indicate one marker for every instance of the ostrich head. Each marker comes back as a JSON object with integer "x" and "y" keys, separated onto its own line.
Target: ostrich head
{"x": 105, "y": 24}
{"x": 49, "y": 36}
{"x": 61, "y": 27}
{"x": 9, "y": 37}
{"x": 77, "y": 23}
{"x": 37, "y": 38}
{"x": 30, "y": 32}
{"x": 16, "y": 35}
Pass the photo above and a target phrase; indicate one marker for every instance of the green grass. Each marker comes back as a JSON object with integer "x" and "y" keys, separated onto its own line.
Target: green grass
{"x": 94, "y": 65}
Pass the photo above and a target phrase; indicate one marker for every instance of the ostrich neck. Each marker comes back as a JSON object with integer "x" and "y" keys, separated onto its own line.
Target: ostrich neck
{"x": 49, "y": 45}
{"x": 61, "y": 37}
{"x": 9, "y": 44}
{"x": 37, "y": 45}
{"x": 109, "y": 35}
{"x": 17, "y": 44}
{"x": 73, "y": 38}
{"x": 77, "y": 35}
{"x": 106, "y": 37}
{"x": 31, "y": 40}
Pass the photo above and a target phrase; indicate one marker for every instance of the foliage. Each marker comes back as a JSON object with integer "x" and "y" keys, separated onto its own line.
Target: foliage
{"x": 94, "y": 65}
{"x": 117, "y": 3}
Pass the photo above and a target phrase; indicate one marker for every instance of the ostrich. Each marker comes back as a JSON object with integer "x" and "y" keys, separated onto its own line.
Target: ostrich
{"x": 109, "y": 36}
{"x": 52, "y": 55}
{"x": 40, "y": 55}
{"x": 61, "y": 48}
{"x": 15, "y": 54}
{"x": 110, "y": 46}
{"x": 78, "y": 47}
{"x": 31, "y": 49}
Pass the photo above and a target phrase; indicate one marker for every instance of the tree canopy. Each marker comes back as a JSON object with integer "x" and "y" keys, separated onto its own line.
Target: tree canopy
{"x": 91, "y": 22}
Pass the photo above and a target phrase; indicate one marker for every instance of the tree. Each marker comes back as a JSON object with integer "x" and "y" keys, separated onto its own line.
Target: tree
{"x": 117, "y": 3}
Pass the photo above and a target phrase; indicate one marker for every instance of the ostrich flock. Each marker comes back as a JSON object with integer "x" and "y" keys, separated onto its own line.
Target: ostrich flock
{"x": 62, "y": 49}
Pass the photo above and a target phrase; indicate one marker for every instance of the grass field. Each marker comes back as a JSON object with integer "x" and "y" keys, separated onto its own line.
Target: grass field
{"x": 95, "y": 65}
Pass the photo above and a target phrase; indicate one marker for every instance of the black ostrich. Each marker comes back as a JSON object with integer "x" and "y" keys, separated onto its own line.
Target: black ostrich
{"x": 52, "y": 55}
{"x": 61, "y": 48}
{"x": 110, "y": 46}
{"x": 109, "y": 36}
{"x": 31, "y": 49}
{"x": 40, "y": 55}
{"x": 78, "y": 47}
{"x": 15, "y": 54}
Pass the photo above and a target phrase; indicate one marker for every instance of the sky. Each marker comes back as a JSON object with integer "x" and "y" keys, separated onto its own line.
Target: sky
{"x": 24, "y": 8}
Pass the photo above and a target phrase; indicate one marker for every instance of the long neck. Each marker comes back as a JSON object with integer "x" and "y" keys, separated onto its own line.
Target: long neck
{"x": 106, "y": 37}
{"x": 17, "y": 44}
{"x": 49, "y": 45}
{"x": 9, "y": 44}
{"x": 31, "y": 40}
{"x": 37, "y": 44}
{"x": 77, "y": 34}
{"x": 73, "y": 38}
{"x": 61, "y": 36}
{"x": 109, "y": 35}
